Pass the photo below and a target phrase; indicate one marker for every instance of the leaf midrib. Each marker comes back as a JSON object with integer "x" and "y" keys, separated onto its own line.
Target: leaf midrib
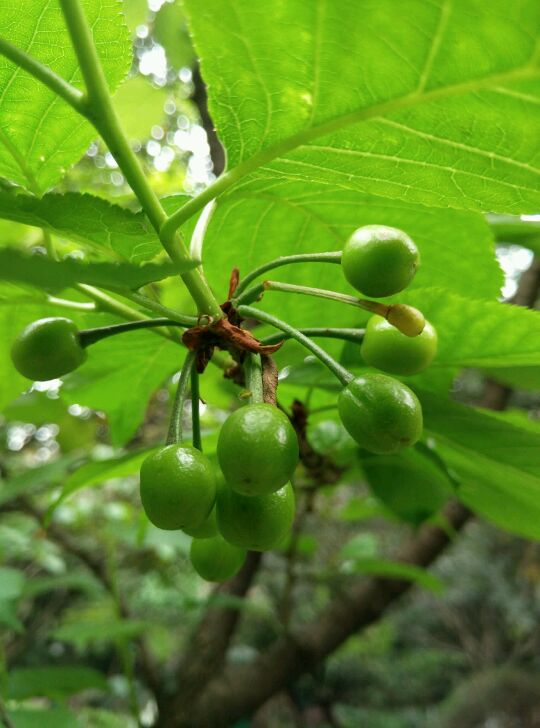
{"x": 415, "y": 98}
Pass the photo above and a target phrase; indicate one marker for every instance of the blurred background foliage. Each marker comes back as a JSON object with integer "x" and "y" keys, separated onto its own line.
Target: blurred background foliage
{"x": 462, "y": 650}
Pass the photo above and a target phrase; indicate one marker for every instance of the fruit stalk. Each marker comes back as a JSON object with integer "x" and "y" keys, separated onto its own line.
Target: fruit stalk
{"x": 340, "y": 372}
{"x": 175, "y": 434}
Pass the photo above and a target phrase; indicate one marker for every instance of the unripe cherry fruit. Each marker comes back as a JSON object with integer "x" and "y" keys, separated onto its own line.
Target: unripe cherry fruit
{"x": 381, "y": 413}
{"x": 386, "y": 348}
{"x": 178, "y": 488}
{"x": 379, "y": 260}
{"x": 48, "y": 349}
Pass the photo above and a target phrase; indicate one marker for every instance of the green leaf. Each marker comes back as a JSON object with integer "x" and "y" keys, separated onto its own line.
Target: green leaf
{"x": 399, "y": 570}
{"x": 41, "y": 135}
{"x": 456, "y": 248}
{"x": 55, "y": 276}
{"x": 120, "y": 376}
{"x": 85, "y": 219}
{"x": 96, "y": 472}
{"x": 34, "y": 480}
{"x": 11, "y": 583}
{"x": 53, "y": 682}
{"x": 36, "y": 718}
{"x": 496, "y": 461}
{"x": 139, "y": 105}
{"x": 83, "y": 583}
{"x": 81, "y": 633}
{"x": 364, "y": 545}
{"x": 408, "y": 484}
{"x": 483, "y": 334}
{"x": 434, "y": 103}
{"x": 170, "y": 30}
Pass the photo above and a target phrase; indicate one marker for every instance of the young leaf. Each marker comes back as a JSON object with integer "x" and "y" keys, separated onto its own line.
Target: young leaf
{"x": 41, "y": 135}
{"x": 434, "y": 103}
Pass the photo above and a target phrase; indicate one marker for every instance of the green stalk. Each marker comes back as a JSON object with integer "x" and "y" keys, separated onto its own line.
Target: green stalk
{"x": 195, "y": 413}
{"x": 102, "y": 114}
{"x": 156, "y": 307}
{"x": 175, "y": 433}
{"x": 286, "y": 260}
{"x": 353, "y": 335}
{"x": 253, "y": 372}
{"x": 372, "y": 306}
{"x": 46, "y": 75}
{"x": 74, "y": 305}
{"x": 340, "y": 372}
{"x": 87, "y": 337}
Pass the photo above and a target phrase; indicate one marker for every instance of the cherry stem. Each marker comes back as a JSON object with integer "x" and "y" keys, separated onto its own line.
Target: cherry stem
{"x": 340, "y": 372}
{"x": 372, "y": 306}
{"x": 87, "y": 337}
{"x": 195, "y": 413}
{"x": 175, "y": 433}
{"x": 354, "y": 335}
{"x": 253, "y": 370}
{"x": 287, "y": 260}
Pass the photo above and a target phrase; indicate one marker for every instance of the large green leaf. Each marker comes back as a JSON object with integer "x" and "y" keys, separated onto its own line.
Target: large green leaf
{"x": 41, "y": 135}
{"x": 434, "y": 103}
{"x": 497, "y": 462}
{"x": 96, "y": 472}
{"x": 54, "y": 276}
{"x": 456, "y": 248}
{"x": 139, "y": 105}
{"x": 84, "y": 219}
{"x": 483, "y": 334}
{"x": 120, "y": 375}
{"x": 53, "y": 682}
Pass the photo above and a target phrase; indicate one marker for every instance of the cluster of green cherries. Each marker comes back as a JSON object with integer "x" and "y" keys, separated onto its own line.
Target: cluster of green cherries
{"x": 253, "y": 509}
{"x": 253, "y": 506}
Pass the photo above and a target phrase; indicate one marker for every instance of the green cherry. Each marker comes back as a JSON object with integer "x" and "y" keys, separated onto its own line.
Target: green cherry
{"x": 379, "y": 261}
{"x": 215, "y": 559}
{"x": 258, "y": 523}
{"x": 386, "y": 348}
{"x": 257, "y": 449}
{"x": 382, "y": 414}
{"x": 178, "y": 488}
{"x": 48, "y": 349}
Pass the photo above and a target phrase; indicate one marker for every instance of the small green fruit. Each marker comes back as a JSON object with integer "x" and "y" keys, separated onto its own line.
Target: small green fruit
{"x": 214, "y": 559}
{"x": 207, "y": 529}
{"x": 382, "y": 414}
{"x": 178, "y": 488}
{"x": 47, "y": 349}
{"x": 257, "y": 450}
{"x": 257, "y": 523}
{"x": 379, "y": 261}
{"x": 386, "y": 348}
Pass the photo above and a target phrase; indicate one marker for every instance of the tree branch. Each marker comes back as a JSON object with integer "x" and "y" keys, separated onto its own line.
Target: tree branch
{"x": 205, "y": 654}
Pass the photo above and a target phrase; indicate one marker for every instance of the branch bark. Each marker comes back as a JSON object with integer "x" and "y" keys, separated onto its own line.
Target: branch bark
{"x": 205, "y": 654}
{"x": 238, "y": 691}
